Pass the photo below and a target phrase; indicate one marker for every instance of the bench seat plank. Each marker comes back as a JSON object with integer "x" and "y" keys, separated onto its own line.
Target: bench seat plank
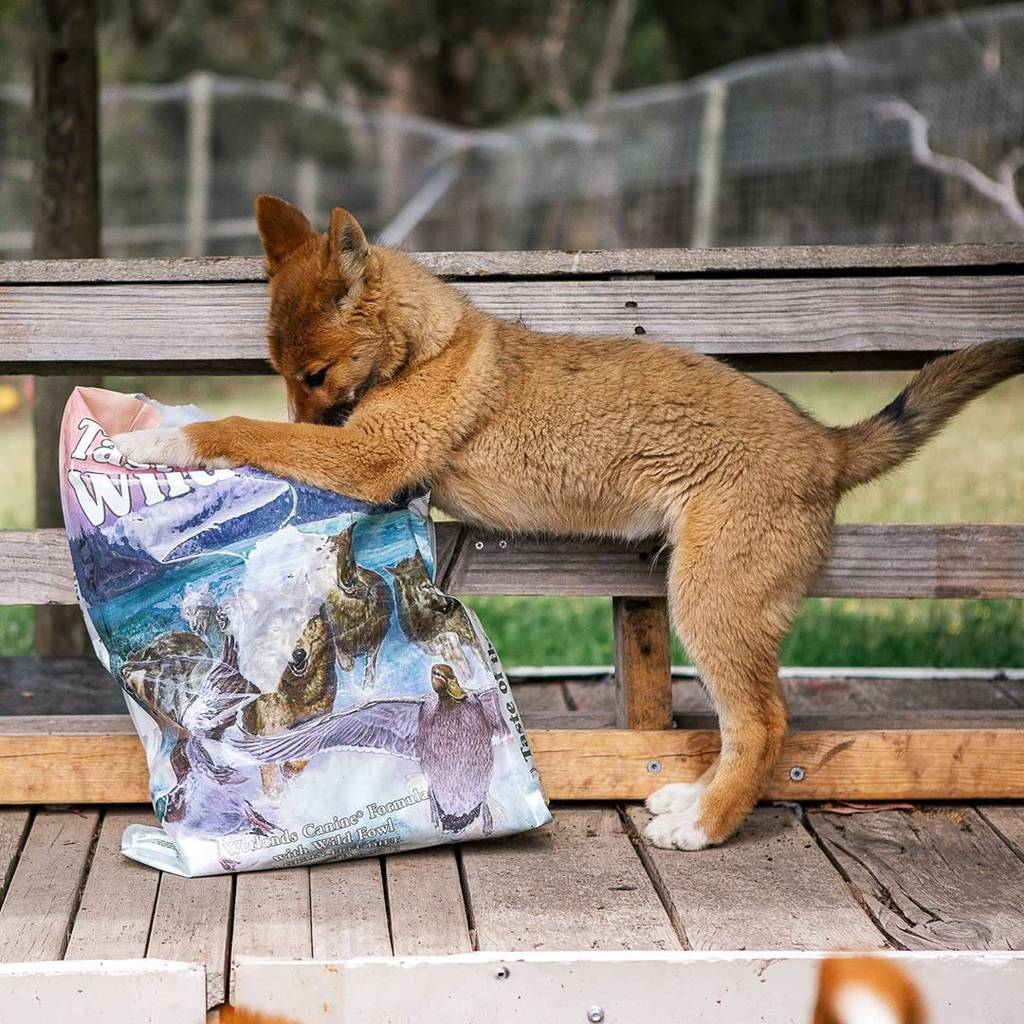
{"x": 116, "y": 913}
{"x": 428, "y": 914}
{"x": 802, "y": 902}
{"x": 936, "y": 878}
{"x": 575, "y": 884}
{"x": 191, "y": 922}
{"x": 39, "y": 907}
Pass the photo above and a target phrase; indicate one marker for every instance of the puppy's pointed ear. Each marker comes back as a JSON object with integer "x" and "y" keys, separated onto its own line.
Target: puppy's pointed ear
{"x": 282, "y": 229}
{"x": 347, "y": 247}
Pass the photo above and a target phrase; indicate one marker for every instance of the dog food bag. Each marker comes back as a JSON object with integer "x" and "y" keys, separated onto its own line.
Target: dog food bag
{"x": 303, "y": 690}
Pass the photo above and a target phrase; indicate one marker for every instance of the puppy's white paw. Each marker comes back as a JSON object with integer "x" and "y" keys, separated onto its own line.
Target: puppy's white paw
{"x": 678, "y": 831}
{"x": 164, "y": 446}
{"x": 675, "y": 797}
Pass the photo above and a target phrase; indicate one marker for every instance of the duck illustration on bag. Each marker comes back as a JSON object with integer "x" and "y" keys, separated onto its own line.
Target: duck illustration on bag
{"x": 359, "y": 608}
{"x": 450, "y": 731}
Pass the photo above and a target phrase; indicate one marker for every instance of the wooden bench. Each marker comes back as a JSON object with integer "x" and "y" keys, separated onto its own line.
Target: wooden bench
{"x": 762, "y": 309}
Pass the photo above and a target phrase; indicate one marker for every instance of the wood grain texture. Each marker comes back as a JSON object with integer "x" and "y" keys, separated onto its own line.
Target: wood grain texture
{"x": 349, "y": 910}
{"x": 38, "y": 910}
{"x": 769, "y": 887}
{"x": 1007, "y": 820}
{"x": 14, "y": 824}
{"x": 192, "y": 922}
{"x": 868, "y": 560}
{"x": 769, "y": 323}
{"x": 576, "y": 884}
{"x": 272, "y": 914}
{"x": 553, "y": 263}
{"x": 932, "y": 879}
{"x": 99, "y": 760}
{"x": 643, "y": 662}
{"x": 116, "y": 910}
{"x": 428, "y": 915}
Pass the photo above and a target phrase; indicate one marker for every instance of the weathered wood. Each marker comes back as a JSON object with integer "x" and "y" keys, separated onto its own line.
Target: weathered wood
{"x": 575, "y": 884}
{"x": 65, "y": 223}
{"x": 771, "y": 323}
{"x": 801, "y": 901}
{"x": 932, "y": 879}
{"x": 752, "y": 260}
{"x": 98, "y": 759}
{"x": 39, "y": 907}
{"x": 643, "y": 663}
{"x": 869, "y": 560}
{"x": 425, "y": 900}
{"x": 13, "y": 831}
{"x": 1007, "y": 820}
{"x": 272, "y": 915}
{"x": 116, "y": 910}
{"x": 191, "y": 922}
{"x": 349, "y": 910}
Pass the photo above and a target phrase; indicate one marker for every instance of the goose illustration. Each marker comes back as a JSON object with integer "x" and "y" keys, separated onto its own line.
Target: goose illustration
{"x": 165, "y": 674}
{"x": 359, "y": 608}
{"x": 307, "y": 689}
{"x": 429, "y": 618}
{"x": 450, "y": 731}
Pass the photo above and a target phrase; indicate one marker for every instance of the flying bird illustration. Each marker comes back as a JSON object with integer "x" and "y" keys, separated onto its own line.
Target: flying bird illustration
{"x": 360, "y": 609}
{"x": 449, "y": 731}
{"x": 165, "y": 675}
{"x": 429, "y": 618}
{"x": 307, "y": 689}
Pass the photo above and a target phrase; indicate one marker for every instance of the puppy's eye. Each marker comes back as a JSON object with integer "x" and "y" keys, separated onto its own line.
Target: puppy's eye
{"x": 314, "y": 380}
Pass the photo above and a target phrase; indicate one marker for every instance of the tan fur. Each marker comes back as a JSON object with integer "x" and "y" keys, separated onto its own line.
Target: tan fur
{"x": 884, "y": 979}
{"x": 521, "y": 431}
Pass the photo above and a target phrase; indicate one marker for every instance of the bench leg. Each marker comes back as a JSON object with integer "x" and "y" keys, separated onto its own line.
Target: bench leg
{"x": 643, "y": 670}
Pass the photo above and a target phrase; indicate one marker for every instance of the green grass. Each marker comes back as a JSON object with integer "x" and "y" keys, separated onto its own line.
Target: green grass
{"x": 973, "y": 472}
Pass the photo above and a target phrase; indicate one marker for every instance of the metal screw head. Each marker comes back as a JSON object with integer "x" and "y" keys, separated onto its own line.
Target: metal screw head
{"x": 595, "y": 1015}
{"x": 479, "y": 545}
{"x": 654, "y": 767}
{"x": 502, "y": 544}
{"x": 502, "y": 972}
{"x": 796, "y": 773}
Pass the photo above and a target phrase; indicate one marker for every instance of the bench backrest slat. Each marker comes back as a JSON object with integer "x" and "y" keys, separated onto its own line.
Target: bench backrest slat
{"x": 869, "y": 560}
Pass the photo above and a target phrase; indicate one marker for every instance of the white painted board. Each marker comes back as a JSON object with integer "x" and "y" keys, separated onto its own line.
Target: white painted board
{"x": 616, "y": 987}
{"x": 103, "y": 992}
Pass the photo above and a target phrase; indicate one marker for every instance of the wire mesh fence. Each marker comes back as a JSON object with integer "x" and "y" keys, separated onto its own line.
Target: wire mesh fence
{"x": 915, "y": 135}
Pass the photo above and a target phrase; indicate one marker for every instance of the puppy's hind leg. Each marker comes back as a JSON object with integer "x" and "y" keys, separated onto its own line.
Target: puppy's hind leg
{"x": 732, "y": 603}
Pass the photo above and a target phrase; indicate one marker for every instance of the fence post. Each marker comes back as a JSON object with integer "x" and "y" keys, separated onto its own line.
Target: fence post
{"x": 200, "y": 121}
{"x": 710, "y": 162}
{"x": 65, "y": 224}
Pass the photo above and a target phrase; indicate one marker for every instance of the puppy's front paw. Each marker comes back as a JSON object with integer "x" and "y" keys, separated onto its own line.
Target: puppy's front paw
{"x": 166, "y": 446}
{"x": 678, "y": 831}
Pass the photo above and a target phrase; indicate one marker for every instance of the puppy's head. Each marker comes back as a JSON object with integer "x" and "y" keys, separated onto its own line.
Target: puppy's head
{"x": 327, "y": 331}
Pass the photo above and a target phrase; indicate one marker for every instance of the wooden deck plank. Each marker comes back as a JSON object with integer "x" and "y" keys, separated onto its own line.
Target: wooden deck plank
{"x": 191, "y": 922}
{"x": 576, "y": 884}
{"x": 14, "y": 824}
{"x": 116, "y": 911}
{"x": 780, "y": 322}
{"x": 272, "y": 914}
{"x": 348, "y": 910}
{"x": 769, "y": 887}
{"x": 38, "y": 911}
{"x": 933, "y": 879}
{"x": 428, "y": 915}
{"x": 868, "y": 560}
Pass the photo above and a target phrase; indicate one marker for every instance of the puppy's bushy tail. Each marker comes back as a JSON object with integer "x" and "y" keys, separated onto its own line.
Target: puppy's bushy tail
{"x": 936, "y": 394}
